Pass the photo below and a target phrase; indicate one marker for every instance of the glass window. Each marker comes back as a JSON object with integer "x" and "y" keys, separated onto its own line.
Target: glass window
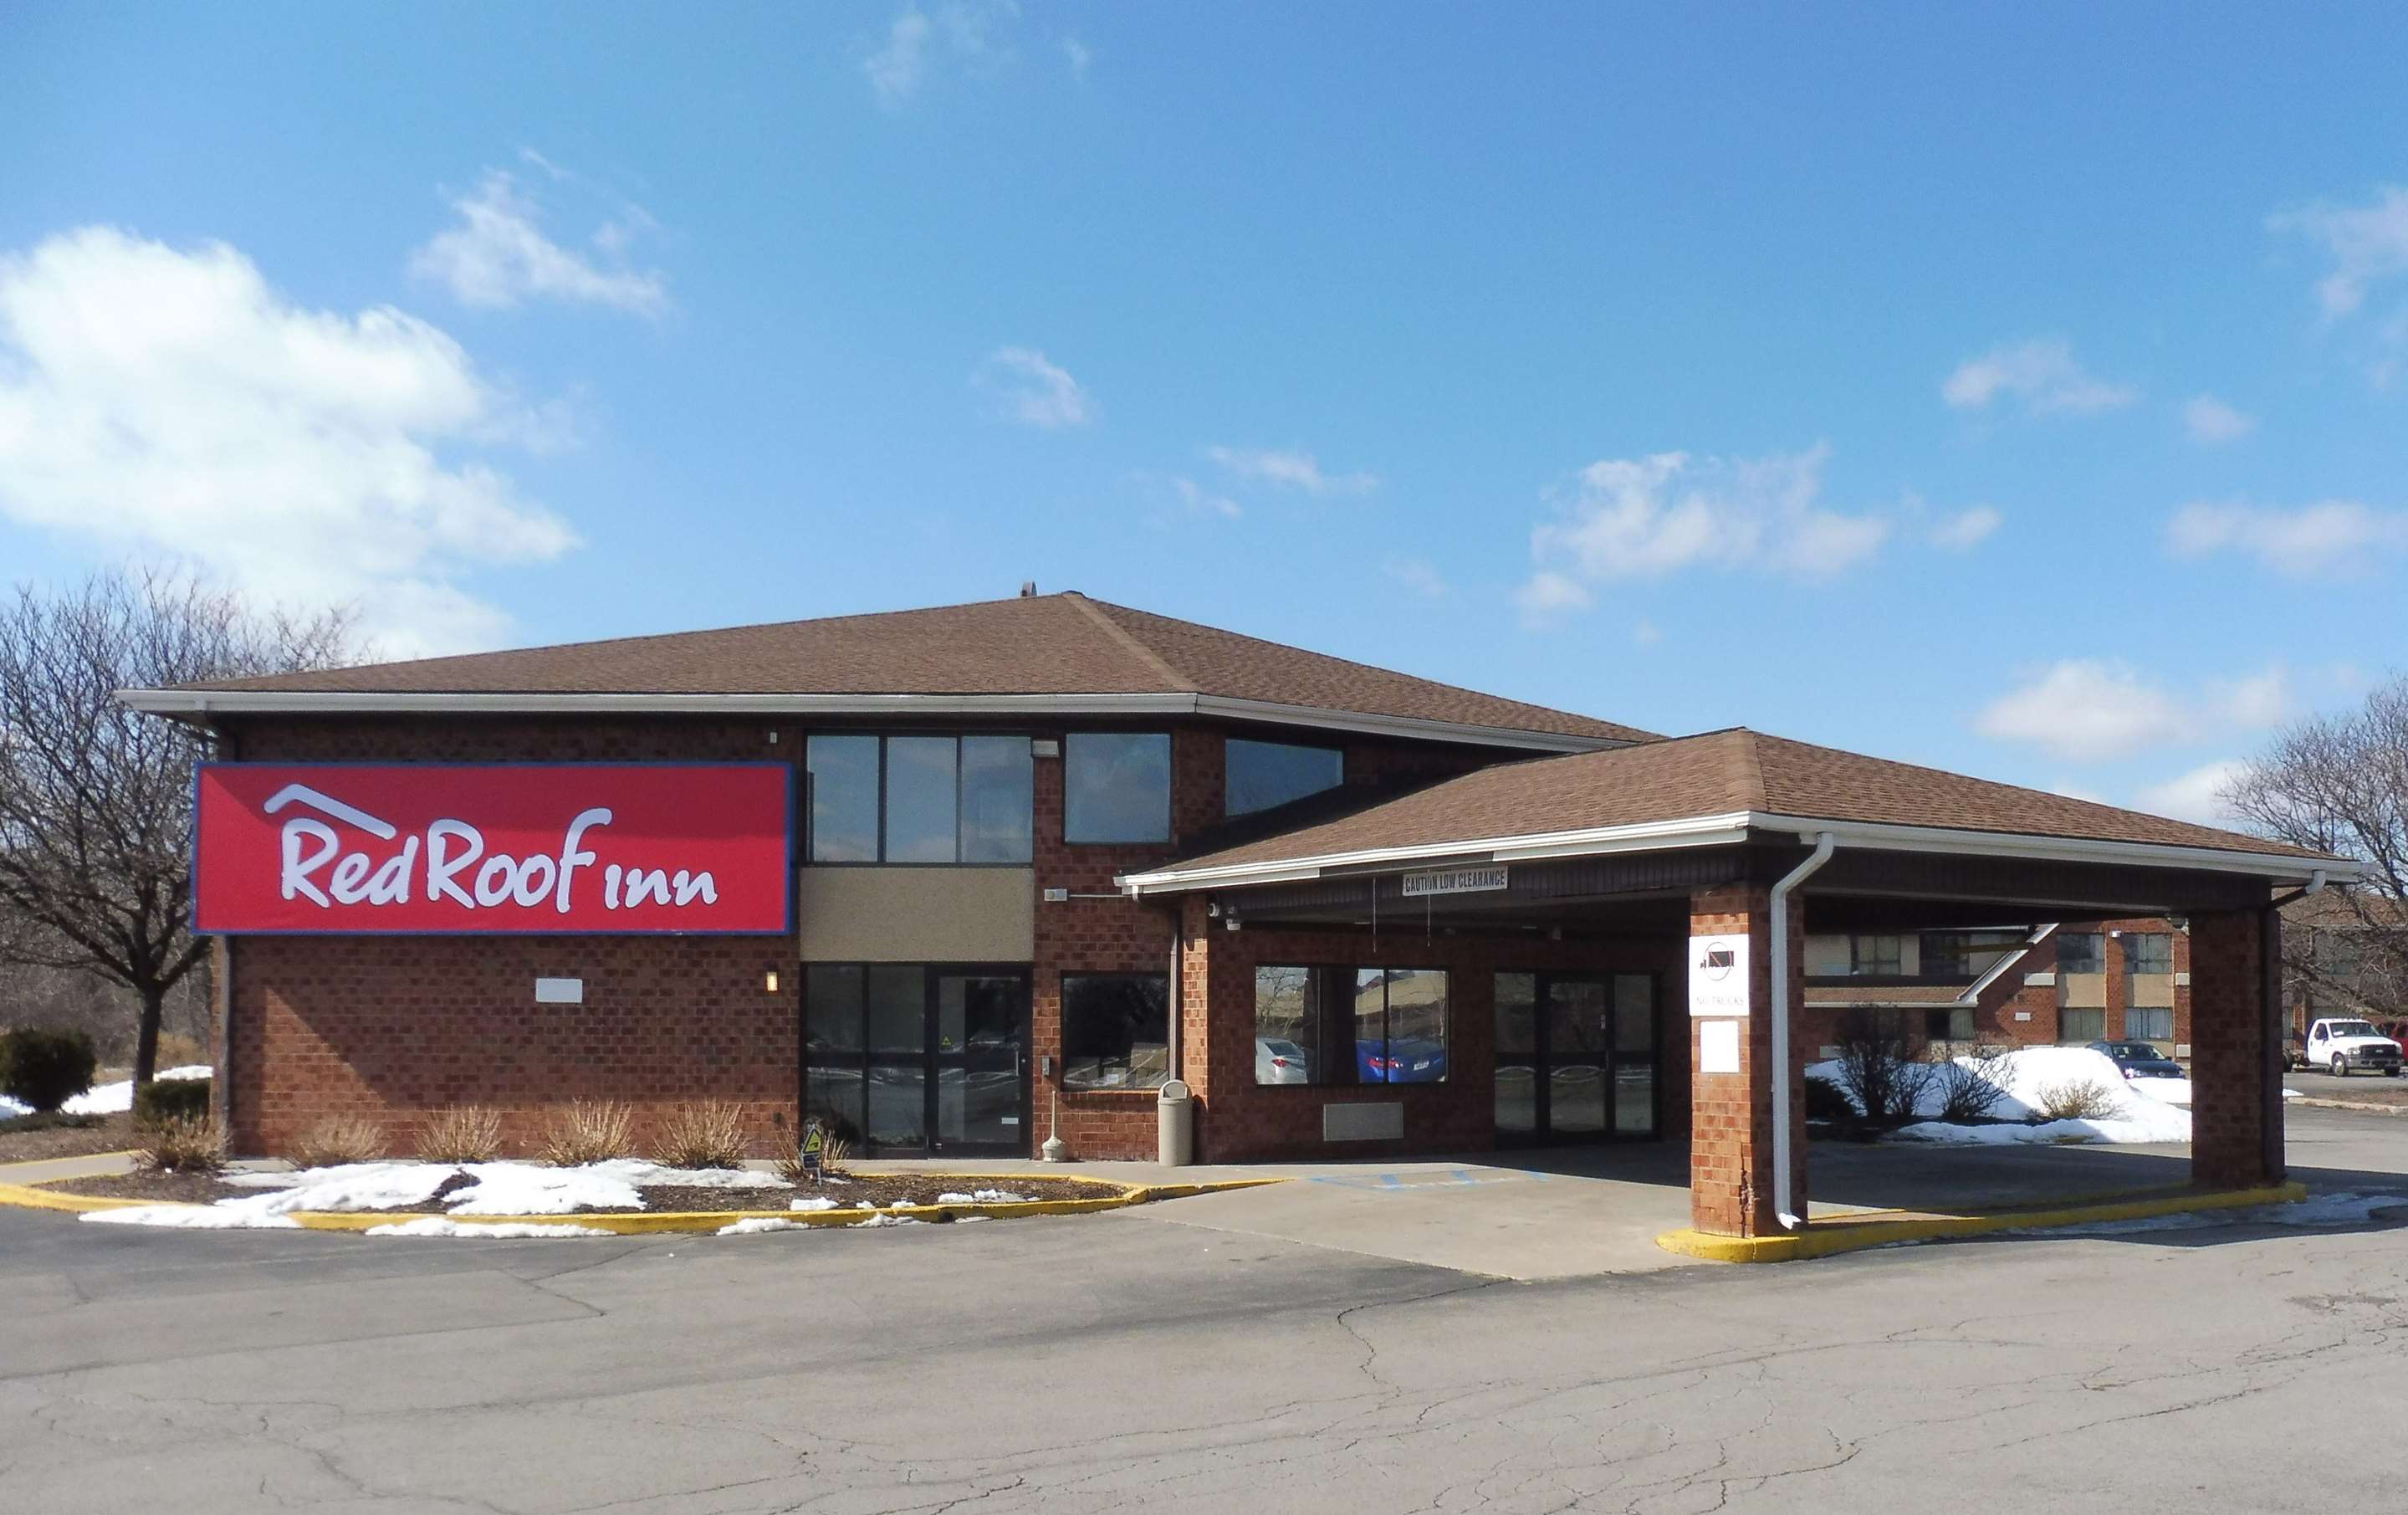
{"x": 2150, "y": 1023}
{"x": 1394, "y": 1029}
{"x": 1116, "y": 1031}
{"x": 996, "y": 789}
{"x": 832, "y": 1097}
{"x": 2150, "y": 953}
{"x": 1876, "y": 956}
{"x": 1261, "y": 774}
{"x": 1116, "y": 787}
{"x": 898, "y": 1007}
{"x": 831, "y": 1009}
{"x": 2081, "y": 952}
{"x": 1965, "y": 954}
{"x": 1948, "y": 1023}
{"x": 2077, "y": 1028}
{"x": 922, "y": 793}
{"x": 844, "y": 798}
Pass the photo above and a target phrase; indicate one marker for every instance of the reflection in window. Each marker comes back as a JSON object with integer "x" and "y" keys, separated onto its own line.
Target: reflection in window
{"x": 1116, "y": 787}
{"x": 844, "y": 798}
{"x": 2081, "y": 952}
{"x": 995, "y": 787}
{"x": 2150, "y": 953}
{"x": 920, "y": 799}
{"x": 1116, "y": 1031}
{"x": 923, "y": 788}
{"x": 1264, "y": 773}
{"x": 1350, "y": 1025}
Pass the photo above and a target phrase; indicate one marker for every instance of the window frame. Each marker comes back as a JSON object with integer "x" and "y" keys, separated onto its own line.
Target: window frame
{"x": 1857, "y": 958}
{"x": 1062, "y": 1014}
{"x": 879, "y": 822}
{"x": 2159, "y": 941}
{"x": 2098, "y": 951}
{"x": 1170, "y": 786}
{"x": 1313, "y": 973}
{"x": 2151, "y": 1011}
{"x": 1228, "y": 768}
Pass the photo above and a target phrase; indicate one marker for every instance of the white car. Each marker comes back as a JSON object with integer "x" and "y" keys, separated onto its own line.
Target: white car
{"x": 2343, "y": 1046}
{"x": 1278, "y": 1061}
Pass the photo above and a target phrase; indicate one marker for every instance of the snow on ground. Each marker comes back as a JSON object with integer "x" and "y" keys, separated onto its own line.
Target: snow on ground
{"x": 883, "y": 1218}
{"x": 755, "y": 1225}
{"x": 221, "y": 1216}
{"x": 2026, "y": 1073}
{"x": 2165, "y": 1090}
{"x": 436, "y": 1225}
{"x": 815, "y": 1201}
{"x": 984, "y": 1196}
{"x": 106, "y": 1098}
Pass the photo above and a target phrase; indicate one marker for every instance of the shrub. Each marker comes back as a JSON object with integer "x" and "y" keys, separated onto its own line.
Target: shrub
{"x": 465, "y": 1134}
{"x": 1827, "y": 1100}
{"x": 1876, "y": 1068}
{"x": 589, "y": 1130}
{"x": 183, "y": 1144}
{"x": 1972, "y": 1087}
{"x": 705, "y": 1136}
{"x": 177, "y": 1051}
{"x": 165, "y": 1099}
{"x": 334, "y": 1140}
{"x": 43, "y": 1069}
{"x": 834, "y": 1149}
{"x": 2075, "y": 1099}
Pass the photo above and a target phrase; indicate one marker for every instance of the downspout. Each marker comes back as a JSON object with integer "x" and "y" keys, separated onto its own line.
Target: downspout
{"x": 2269, "y": 1075}
{"x": 1784, "y": 1201}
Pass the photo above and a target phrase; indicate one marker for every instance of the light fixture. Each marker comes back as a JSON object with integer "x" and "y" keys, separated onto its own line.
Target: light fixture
{"x": 770, "y": 981}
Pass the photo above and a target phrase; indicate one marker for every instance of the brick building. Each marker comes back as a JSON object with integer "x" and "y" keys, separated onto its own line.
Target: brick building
{"x": 1049, "y": 853}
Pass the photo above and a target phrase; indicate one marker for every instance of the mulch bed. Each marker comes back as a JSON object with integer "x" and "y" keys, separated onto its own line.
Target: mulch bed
{"x": 36, "y": 1138}
{"x": 880, "y": 1190}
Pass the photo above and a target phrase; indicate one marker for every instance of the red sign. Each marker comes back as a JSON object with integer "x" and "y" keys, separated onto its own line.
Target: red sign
{"x": 437, "y": 847}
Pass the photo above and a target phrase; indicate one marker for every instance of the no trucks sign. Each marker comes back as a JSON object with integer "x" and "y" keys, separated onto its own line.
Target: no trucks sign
{"x": 425, "y": 848}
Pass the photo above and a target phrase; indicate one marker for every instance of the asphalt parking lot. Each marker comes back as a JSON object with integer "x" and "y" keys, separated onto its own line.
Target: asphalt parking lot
{"x": 1109, "y": 1361}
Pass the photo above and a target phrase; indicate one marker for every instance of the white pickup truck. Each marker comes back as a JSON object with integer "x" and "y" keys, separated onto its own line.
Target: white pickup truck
{"x": 2343, "y": 1046}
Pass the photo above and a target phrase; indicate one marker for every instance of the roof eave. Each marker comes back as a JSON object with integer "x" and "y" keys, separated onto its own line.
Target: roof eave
{"x": 190, "y": 703}
{"x": 1741, "y": 826}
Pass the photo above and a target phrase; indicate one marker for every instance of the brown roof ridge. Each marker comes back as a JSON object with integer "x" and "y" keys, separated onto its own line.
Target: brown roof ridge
{"x": 1951, "y": 774}
{"x": 1127, "y": 641}
{"x": 1113, "y": 611}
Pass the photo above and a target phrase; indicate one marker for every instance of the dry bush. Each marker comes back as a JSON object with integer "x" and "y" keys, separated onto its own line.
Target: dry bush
{"x": 334, "y": 1140}
{"x": 1970, "y": 1089}
{"x": 707, "y": 1136}
{"x": 177, "y": 1051}
{"x": 589, "y": 1130}
{"x": 182, "y": 1143}
{"x": 2075, "y": 1099}
{"x": 832, "y": 1150}
{"x": 465, "y": 1134}
{"x": 1879, "y": 1070}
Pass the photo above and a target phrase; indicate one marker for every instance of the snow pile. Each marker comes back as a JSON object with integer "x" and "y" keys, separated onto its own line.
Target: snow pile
{"x": 348, "y": 1186}
{"x": 882, "y": 1219}
{"x": 2165, "y": 1090}
{"x": 2028, "y": 1074}
{"x": 493, "y": 1189}
{"x": 817, "y": 1201}
{"x": 755, "y": 1225}
{"x": 436, "y": 1225}
{"x": 983, "y": 1196}
{"x": 532, "y": 1188}
{"x": 106, "y": 1098}
{"x": 219, "y": 1217}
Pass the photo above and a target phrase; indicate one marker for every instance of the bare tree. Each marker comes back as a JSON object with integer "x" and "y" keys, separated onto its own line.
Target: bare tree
{"x": 95, "y": 801}
{"x": 2339, "y": 784}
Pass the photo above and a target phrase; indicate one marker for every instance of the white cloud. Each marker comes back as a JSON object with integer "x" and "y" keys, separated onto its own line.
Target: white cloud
{"x": 172, "y": 402}
{"x": 2089, "y": 710}
{"x": 1291, "y": 468}
{"x": 1633, "y": 518}
{"x": 1418, "y": 575}
{"x": 1031, "y": 389}
{"x": 1547, "y": 597}
{"x": 1080, "y": 54}
{"x": 1199, "y": 500}
{"x": 2193, "y": 796}
{"x": 2367, "y": 244}
{"x": 2333, "y": 536}
{"x": 968, "y": 32}
{"x": 497, "y": 255}
{"x": 2041, "y": 373}
{"x": 2211, "y": 421}
{"x": 1966, "y": 530}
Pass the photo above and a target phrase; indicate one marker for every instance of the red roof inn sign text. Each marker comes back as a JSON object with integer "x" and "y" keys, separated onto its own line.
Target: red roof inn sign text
{"x": 534, "y": 847}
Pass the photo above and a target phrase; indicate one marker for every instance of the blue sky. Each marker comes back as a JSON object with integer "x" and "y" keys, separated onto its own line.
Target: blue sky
{"x": 2021, "y": 394}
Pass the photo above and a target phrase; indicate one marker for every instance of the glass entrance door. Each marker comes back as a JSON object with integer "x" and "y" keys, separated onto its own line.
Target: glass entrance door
{"x": 1575, "y": 1057}
{"x": 903, "y": 1058}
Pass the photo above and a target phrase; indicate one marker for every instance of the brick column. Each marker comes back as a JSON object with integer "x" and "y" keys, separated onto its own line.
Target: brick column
{"x": 1730, "y": 1134}
{"x": 2236, "y": 1079}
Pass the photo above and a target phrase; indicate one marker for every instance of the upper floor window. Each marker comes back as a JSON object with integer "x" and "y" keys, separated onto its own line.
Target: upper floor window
{"x": 2151, "y": 953}
{"x": 2081, "y": 952}
{"x": 1878, "y": 957}
{"x": 1967, "y": 954}
{"x": 1116, "y": 787}
{"x": 919, "y": 798}
{"x": 1262, "y": 774}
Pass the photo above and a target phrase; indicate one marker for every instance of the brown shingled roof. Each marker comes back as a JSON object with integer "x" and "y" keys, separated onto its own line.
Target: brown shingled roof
{"x": 1040, "y": 644}
{"x": 1716, "y": 773}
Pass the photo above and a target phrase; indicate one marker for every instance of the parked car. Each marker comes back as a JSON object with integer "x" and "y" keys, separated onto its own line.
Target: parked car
{"x": 2343, "y": 1046}
{"x": 1400, "y": 1061}
{"x": 1278, "y": 1061}
{"x": 2139, "y": 1060}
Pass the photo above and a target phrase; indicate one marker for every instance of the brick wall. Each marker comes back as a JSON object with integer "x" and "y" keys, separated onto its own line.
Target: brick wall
{"x": 1730, "y": 1139}
{"x": 2234, "y": 1126}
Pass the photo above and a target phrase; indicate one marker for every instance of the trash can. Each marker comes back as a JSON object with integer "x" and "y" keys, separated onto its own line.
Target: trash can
{"x": 1176, "y": 1110}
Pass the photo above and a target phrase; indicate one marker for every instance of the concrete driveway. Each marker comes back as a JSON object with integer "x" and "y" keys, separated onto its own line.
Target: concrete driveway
{"x": 1107, "y": 1364}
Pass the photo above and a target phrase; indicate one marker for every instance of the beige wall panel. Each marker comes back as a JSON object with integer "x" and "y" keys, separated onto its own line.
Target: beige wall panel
{"x": 917, "y": 914}
{"x": 2153, "y": 988}
{"x": 2081, "y": 991}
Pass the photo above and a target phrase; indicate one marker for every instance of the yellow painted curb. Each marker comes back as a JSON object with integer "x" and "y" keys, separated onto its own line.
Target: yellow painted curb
{"x": 641, "y": 1223}
{"x": 1884, "y": 1227}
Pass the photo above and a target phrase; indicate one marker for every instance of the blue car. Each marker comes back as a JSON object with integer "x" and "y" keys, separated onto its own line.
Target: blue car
{"x": 1400, "y": 1061}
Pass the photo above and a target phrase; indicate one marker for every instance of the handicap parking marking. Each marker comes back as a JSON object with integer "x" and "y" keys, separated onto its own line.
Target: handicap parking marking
{"x": 1453, "y": 1178}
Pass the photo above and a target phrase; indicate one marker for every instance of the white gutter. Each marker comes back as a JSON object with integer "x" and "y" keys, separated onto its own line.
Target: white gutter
{"x": 1782, "y": 1200}
{"x": 206, "y": 702}
{"x": 1705, "y": 830}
